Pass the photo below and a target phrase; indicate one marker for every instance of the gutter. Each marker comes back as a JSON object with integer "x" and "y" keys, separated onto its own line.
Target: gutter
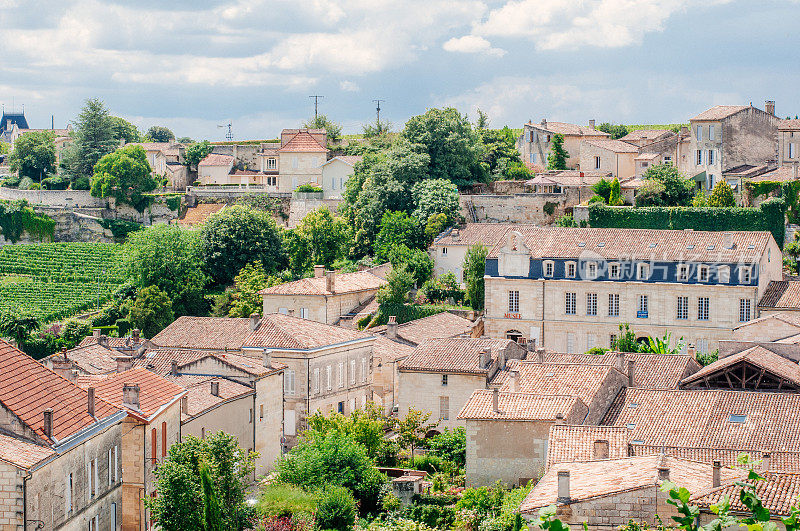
{"x": 75, "y": 439}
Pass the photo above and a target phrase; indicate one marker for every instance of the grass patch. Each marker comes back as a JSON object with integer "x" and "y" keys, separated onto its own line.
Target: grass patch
{"x": 285, "y": 500}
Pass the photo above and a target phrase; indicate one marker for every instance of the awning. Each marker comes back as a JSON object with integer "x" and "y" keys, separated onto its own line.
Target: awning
{"x": 700, "y": 177}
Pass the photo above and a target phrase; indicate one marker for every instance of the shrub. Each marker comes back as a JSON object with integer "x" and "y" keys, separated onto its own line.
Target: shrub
{"x": 722, "y": 195}
{"x": 566, "y": 221}
{"x": 308, "y": 187}
{"x": 280, "y": 500}
{"x": 123, "y": 326}
{"x": 82, "y": 183}
{"x": 597, "y": 351}
{"x": 450, "y": 445}
{"x": 336, "y": 509}
{"x": 432, "y": 515}
{"x": 55, "y": 183}
{"x": 429, "y": 463}
{"x": 442, "y": 289}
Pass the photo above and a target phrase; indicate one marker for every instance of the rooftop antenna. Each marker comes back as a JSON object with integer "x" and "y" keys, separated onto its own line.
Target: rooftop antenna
{"x": 378, "y": 109}
{"x": 316, "y": 104}
{"x": 229, "y": 134}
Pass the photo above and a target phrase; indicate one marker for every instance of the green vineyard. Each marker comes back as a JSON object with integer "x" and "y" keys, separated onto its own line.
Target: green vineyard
{"x": 58, "y": 280}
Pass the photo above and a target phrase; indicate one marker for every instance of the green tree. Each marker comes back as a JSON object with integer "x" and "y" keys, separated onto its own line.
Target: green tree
{"x": 474, "y": 268}
{"x": 399, "y": 283}
{"x": 212, "y": 517}
{"x": 436, "y": 196}
{"x": 197, "y": 152}
{"x": 566, "y": 221}
{"x": 333, "y": 130}
{"x": 616, "y": 131}
{"x": 18, "y": 324}
{"x": 661, "y": 345}
{"x": 482, "y": 122}
{"x": 236, "y": 236}
{"x": 245, "y": 298}
{"x": 124, "y": 130}
{"x": 336, "y": 509}
{"x": 557, "y": 158}
{"x": 450, "y": 445}
{"x": 412, "y": 429}
{"x": 626, "y": 341}
{"x": 125, "y": 176}
{"x": 5, "y": 148}
{"x": 366, "y": 426}
{"x": 603, "y": 189}
{"x": 159, "y": 133}
{"x": 152, "y": 311}
{"x": 180, "y": 504}
{"x": 325, "y": 237}
{"x": 396, "y": 229}
{"x": 94, "y": 138}
{"x": 454, "y": 149}
{"x": 435, "y": 226}
{"x": 502, "y": 155}
{"x": 34, "y": 155}
{"x": 615, "y": 198}
{"x": 376, "y": 129}
{"x": 677, "y": 189}
{"x": 416, "y": 262}
{"x": 700, "y": 199}
{"x": 722, "y": 195}
{"x": 168, "y": 256}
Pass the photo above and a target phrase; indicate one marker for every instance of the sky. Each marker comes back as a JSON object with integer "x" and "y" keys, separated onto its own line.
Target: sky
{"x": 194, "y": 65}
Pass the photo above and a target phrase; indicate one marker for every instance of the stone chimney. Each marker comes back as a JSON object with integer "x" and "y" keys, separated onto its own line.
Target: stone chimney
{"x": 136, "y": 333}
{"x": 766, "y": 459}
{"x": 330, "y": 281}
{"x": 291, "y": 312}
{"x": 102, "y": 340}
{"x": 267, "y": 359}
{"x": 727, "y": 240}
{"x": 563, "y": 486}
{"x": 769, "y": 107}
{"x": 484, "y": 358}
{"x": 631, "y": 373}
{"x": 663, "y": 472}
{"x": 214, "y": 388}
{"x": 513, "y": 381}
{"x": 540, "y": 355}
{"x": 173, "y": 369}
{"x": 544, "y": 122}
{"x": 496, "y": 400}
{"x": 62, "y": 366}
{"x": 48, "y": 423}
{"x": 319, "y": 271}
{"x": 124, "y": 363}
{"x": 185, "y": 405}
{"x": 130, "y": 395}
{"x": 255, "y": 320}
{"x": 391, "y": 327}
{"x": 95, "y": 333}
{"x": 716, "y": 474}
{"x": 90, "y": 401}
{"x": 621, "y": 361}
{"x": 684, "y": 130}
{"x": 591, "y": 123}
{"x": 691, "y": 350}
{"x": 559, "y": 419}
{"x": 455, "y": 234}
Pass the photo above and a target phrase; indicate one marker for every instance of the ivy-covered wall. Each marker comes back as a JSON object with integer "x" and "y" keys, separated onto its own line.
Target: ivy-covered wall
{"x": 789, "y": 191}
{"x": 769, "y": 216}
{"x": 17, "y": 217}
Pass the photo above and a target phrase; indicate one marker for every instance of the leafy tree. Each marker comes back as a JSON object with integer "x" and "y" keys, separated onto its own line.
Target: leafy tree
{"x": 474, "y": 268}
{"x": 603, "y": 189}
{"x": 125, "y": 176}
{"x": 722, "y": 195}
{"x": 483, "y": 121}
{"x": 651, "y": 193}
{"x": 454, "y": 149}
{"x": 124, "y": 130}
{"x": 152, "y": 311}
{"x": 700, "y": 199}
{"x": 376, "y": 129}
{"x": 396, "y": 229}
{"x": 436, "y": 196}
{"x": 557, "y": 158}
{"x": 5, "y": 147}
{"x": 626, "y": 341}
{"x": 615, "y": 197}
{"x": 677, "y": 189}
{"x": 250, "y": 280}
{"x": 159, "y": 133}
{"x": 435, "y": 226}
{"x": 235, "y": 237}
{"x": 18, "y": 324}
{"x": 502, "y": 155}
{"x": 185, "y": 140}
{"x": 792, "y": 250}
{"x": 94, "y": 138}
{"x": 566, "y": 221}
{"x": 616, "y": 131}
{"x": 366, "y": 426}
{"x": 168, "y": 256}
{"x": 661, "y": 345}
{"x": 450, "y": 445}
{"x": 416, "y": 262}
{"x": 333, "y": 130}
{"x": 324, "y": 238}
{"x": 184, "y": 495}
{"x": 399, "y": 283}
{"x": 412, "y": 429}
{"x": 197, "y": 152}
{"x": 336, "y": 509}
{"x": 34, "y": 155}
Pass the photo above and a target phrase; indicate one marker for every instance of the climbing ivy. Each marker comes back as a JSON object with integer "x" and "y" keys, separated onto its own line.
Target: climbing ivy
{"x": 789, "y": 191}
{"x": 17, "y": 217}
{"x": 120, "y": 228}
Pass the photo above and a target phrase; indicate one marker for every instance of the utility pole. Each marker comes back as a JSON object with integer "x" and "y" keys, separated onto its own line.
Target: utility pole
{"x": 379, "y": 110}
{"x": 316, "y": 104}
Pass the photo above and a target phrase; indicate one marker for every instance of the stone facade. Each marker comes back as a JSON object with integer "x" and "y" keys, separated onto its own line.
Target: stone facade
{"x": 426, "y": 391}
{"x": 537, "y": 139}
{"x": 521, "y": 208}
{"x": 639, "y": 505}
{"x": 268, "y": 418}
{"x": 597, "y": 157}
{"x": 788, "y": 142}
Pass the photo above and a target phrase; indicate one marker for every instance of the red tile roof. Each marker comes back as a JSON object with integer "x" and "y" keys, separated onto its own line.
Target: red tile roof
{"x": 303, "y": 142}
{"x": 216, "y": 159}
{"x": 385, "y": 350}
{"x": 343, "y": 283}
{"x": 583, "y": 381}
{"x": 648, "y": 135}
{"x": 210, "y": 333}
{"x": 781, "y": 294}
{"x": 617, "y": 146}
{"x": 791, "y": 318}
{"x": 155, "y": 392}
{"x": 486, "y": 234}
{"x": 444, "y": 324}
{"x": 91, "y": 359}
{"x": 568, "y": 443}
{"x": 719, "y": 112}
{"x": 28, "y": 388}
{"x": 757, "y": 357}
{"x": 520, "y": 406}
{"x": 285, "y": 332}
{"x": 563, "y": 128}
{"x": 160, "y": 361}
{"x": 112, "y": 342}
{"x": 455, "y": 355}
{"x": 783, "y": 174}
{"x": 789, "y": 125}
{"x": 778, "y": 491}
{"x": 22, "y": 454}
{"x": 569, "y": 178}
{"x": 199, "y": 397}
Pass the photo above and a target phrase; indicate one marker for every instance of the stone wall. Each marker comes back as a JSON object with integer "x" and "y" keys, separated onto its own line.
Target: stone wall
{"x": 423, "y": 390}
{"x": 300, "y": 207}
{"x": 511, "y": 452}
{"x": 56, "y": 198}
{"x": 520, "y": 208}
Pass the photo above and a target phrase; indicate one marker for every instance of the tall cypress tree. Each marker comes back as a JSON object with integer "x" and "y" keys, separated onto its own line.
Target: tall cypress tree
{"x": 557, "y": 159}
{"x": 94, "y": 136}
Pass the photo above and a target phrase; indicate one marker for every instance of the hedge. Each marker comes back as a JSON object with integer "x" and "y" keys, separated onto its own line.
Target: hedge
{"x": 769, "y": 216}
{"x": 17, "y": 217}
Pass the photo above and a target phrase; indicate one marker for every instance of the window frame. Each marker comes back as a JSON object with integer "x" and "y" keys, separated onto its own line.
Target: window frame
{"x": 570, "y": 269}
{"x": 611, "y": 267}
{"x": 703, "y": 308}
{"x": 513, "y": 301}
{"x": 643, "y": 306}
{"x": 642, "y": 271}
{"x": 745, "y": 310}
{"x": 591, "y": 304}
{"x": 723, "y": 274}
{"x": 745, "y": 275}
{"x": 570, "y": 303}
{"x": 703, "y": 273}
{"x": 613, "y": 304}
{"x": 682, "y": 273}
{"x": 548, "y": 264}
{"x": 682, "y": 310}
{"x": 592, "y": 269}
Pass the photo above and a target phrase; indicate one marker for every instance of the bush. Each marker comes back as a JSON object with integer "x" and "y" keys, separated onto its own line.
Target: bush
{"x": 442, "y": 289}
{"x": 55, "y": 183}
{"x": 82, "y": 183}
{"x": 336, "y": 509}
{"x": 430, "y": 463}
{"x": 123, "y": 326}
{"x": 450, "y": 445}
{"x": 285, "y": 500}
{"x": 722, "y": 195}
{"x": 432, "y": 515}
{"x": 566, "y": 221}
{"x": 597, "y": 351}
{"x": 308, "y": 187}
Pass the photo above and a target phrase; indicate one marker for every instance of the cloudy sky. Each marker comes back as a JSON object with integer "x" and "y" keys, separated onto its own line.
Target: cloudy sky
{"x": 192, "y": 64}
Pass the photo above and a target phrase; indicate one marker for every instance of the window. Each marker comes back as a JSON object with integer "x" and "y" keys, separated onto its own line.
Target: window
{"x": 668, "y": 160}
{"x": 340, "y": 407}
{"x": 591, "y": 270}
{"x": 612, "y": 341}
{"x": 294, "y": 162}
{"x": 597, "y": 163}
{"x": 711, "y": 131}
{"x": 613, "y": 271}
{"x": 792, "y": 150}
{"x": 444, "y": 379}
{"x": 533, "y": 158}
{"x": 202, "y": 433}
{"x": 643, "y": 271}
{"x": 642, "y": 310}
{"x": 513, "y": 301}
{"x": 261, "y": 412}
{"x": 250, "y": 415}
{"x": 288, "y": 382}
{"x": 723, "y": 274}
{"x": 533, "y": 136}
{"x": 601, "y": 449}
{"x": 363, "y": 369}
{"x": 569, "y": 303}
{"x": 702, "y": 273}
{"x": 444, "y": 407}
{"x": 271, "y": 164}
{"x": 710, "y": 156}
{"x": 613, "y": 304}
{"x": 328, "y": 378}
{"x": 570, "y": 343}
{"x": 303, "y": 313}
{"x": 699, "y": 157}
{"x": 738, "y": 419}
{"x": 548, "y": 138}
{"x": 699, "y": 132}
{"x": 315, "y": 382}
{"x": 340, "y": 378}
{"x": 549, "y": 266}
{"x": 444, "y": 251}
{"x": 154, "y": 445}
{"x": 68, "y": 494}
{"x": 591, "y": 304}
{"x": 745, "y": 274}
{"x": 110, "y": 466}
{"x": 283, "y": 311}
{"x": 163, "y": 439}
{"x": 744, "y": 310}
{"x": 702, "y": 308}
{"x": 570, "y": 269}
{"x": 683, "y": 272}
{"x": 91, "y": 477}
{"x": 591, "y": 341}
{"x": 352, "y": 372}
{"x": 683, "y": 308}
{"x": 116, "y": 464}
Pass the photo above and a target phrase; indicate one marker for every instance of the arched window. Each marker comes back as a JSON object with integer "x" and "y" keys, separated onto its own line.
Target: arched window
{"x": 513, "y": 335}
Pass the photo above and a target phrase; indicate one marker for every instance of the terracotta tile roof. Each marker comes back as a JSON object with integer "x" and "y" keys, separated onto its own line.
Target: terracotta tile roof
{"x": 444, "y": 324}
{"x": 569, "y": 178}
{"x": 781, "y": 294}
{"x": 648, "y": 135}
{"x": 617, "y": 146}
{"x": 160, "y": 361}
{"x": 303, "y": 142}
{"x": 211, "y": 333}
{"x": 635, "y": 244}
{"x": 758, "y": 357}
{"x": 157, "y": 146}
{"x": 216, "y": 159}
{"x": 791, "y": 318}
{"x": 597, "y": 479}
{"x": 783, "y": 174}
{"x": 454, "y": 355}
{"x": 719, "y": 112}
{"x": 778, "y": 491}
{"x": 568, "y": 443}
{"x": 199, "y": 214}
{"x": 28, "y": 388}
{"x": 352, "y": 160}
{"x": 583, "y": 381}
{"x": 789, "y": 125}
{"x": 285, "y": 332}
{"x": 647, "y": 156}
{"x": 199, "y": 397}
{"x": 22, "y": 454}
{"x": 343, "y": 283}
{"x": 520, "y": 406}
{"x": 388, "y": 350}
{"x": 155, "y": 392}
{"x": 486, "y": 234}
{"x": 566, "y": 129}
{"x": 91, "y": 359}
{"x": 709, "y": 419}
{"x": 112, "y": 342}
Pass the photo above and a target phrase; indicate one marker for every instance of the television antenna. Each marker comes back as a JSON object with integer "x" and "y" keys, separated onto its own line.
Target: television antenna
{"x": 378, "y": 109}
{"x": 316, "y": 104}
{"x": 229, "y": 134}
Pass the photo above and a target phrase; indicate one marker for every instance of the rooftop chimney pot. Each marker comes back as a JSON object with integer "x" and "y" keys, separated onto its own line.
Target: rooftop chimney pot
{"x": 215, "y": 388}
{"x": 185, "y": 405}
{"x": 663, "y": 473}
{"x": 124, "y": 363}
{"x": 391, "y": 327}
{"x": 48, "y": 423}
{"x": 769, "y": 107}
{"x": 484, "y": 358}
{"x": 130, "y": 395}
{"x": 563, "y": 486}
{"x": 319, "y": 271}
{"x": 95, "y": 333}
{"x": 267, "y": 360}
{"x": 621, "y": 361}
{"x": 716, "y": 474}
{"x": 496, "y": 400}
{"x": 540, "y": 354}
{"x": 173, "y": 370}
{"x": 559, "y": 419}
{"x": 513, "y": 381}
{"x": 591, "y": 123}
{"x": 90, "y": 401}
{"x": 102, "y": 340}
{"x": 136, "y": 333}
{"x": 255, "y": 320}
{"x": 330, "y": 281}
{"x": 631, "y": 373}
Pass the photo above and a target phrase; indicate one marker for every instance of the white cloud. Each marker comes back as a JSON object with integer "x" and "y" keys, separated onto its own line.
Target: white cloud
{"x": 472, "y": 44}
{"x": 349, "y": 86}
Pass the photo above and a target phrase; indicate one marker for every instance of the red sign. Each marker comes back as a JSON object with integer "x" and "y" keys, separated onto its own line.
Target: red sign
{"x": 513, "y": 316}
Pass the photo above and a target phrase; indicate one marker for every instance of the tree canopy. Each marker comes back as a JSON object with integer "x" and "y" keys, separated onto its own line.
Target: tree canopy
{"x": 34, "y": 155}
{"x": 159, "y": 133}
{"x": 125, "y": 176}
{"x": 197, "y": 152}
{"x": 94, "y": 137}
{"x": 152, "y": 311}
{"x": 666, "y": 186}
{"x": 616, "y": 131}
{"x": 319, "y": 239}
{"x": 557, "y": 158}
{"x": 722, "y": 195}
{"x": 333, "y": 130}
{"x": 124, "y": 130}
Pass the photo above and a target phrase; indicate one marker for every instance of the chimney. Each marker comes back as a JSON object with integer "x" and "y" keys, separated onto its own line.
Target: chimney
{"x": 513, "y": 381}
{"x": 684, "y": 130}
{"x": 48, "y": 423}
{"x": 727, "y": 240}
{"x": 559, "y": 419}
{"x": 124, "y": 363}
{"x": 540, "y": 354}
{"x": 391, "y": 327}
{"x": 95, "y": 333}
{"x": 214, "y": 388}
{"x": 484, "y": 358}
{"x": 90, "y": 401}
{"x": 715, "y": 474}
{"x": 766, "y": 459}
{"x": 621, "y": 361}
{"x": 319, "y": 271}
{"x": 544, "y": 122}
{"x": 591, "y": 123}
{"x": 255, "y": 320}
{"x": 136, "y": 333}
{"x": 563, "y": 486}
{"x": 663, "y": 472}
{"x": 267, "y": 360}
{"x": 691, "y": 350}
{"x": 130, "y": 395}
{"x": 185, "y": 405}
{"x": 102, "y": 340}
{"x": 291, "y": 312}
{"x": 63, "y": 367}
{"x": 496, "y": 400}
{"x": 631, "y": 373}
{"x": 330, "y": 281}
{"x": 173, "y": 370}
{"x": 455, "y": 234}
{"x": 769, "y": 107}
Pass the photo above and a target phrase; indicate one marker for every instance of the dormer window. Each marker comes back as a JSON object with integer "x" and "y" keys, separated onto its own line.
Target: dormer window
{"x": 643, "y": 271}
{"x": 613, "y": 270}
{"x": 591, "y": 270}
{"x": 571, "y": 269}
{"x": 271, "y": 163}
{"x": 702, "y": 273}
{"x": 745, "y": 274}
{"x": 549, "y": 267}
{"x": 723, "y": 274}
{"x": 683, "y": 272}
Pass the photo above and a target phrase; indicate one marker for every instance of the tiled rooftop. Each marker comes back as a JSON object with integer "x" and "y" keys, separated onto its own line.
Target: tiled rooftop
{"x": 199, "y": 397}
{"x": 91, "y": 359}
{"x": 719, "y": 112}
{"x": 343, "y": 283}
{"x": 303, "y": 142}
{"x": 387, "y": 350}
{"x": 211, "y": 333}
{"x": 454, "y": 355}
{"x": 778, "y": 491}
{"x": 789, "y": 125}
{"x": 486, "y": 234}
{"x": 199, "y": 214}
{"x": 782, "y": 174}
{"x": 568, "y": 443}
{"x": 21, "y": 453}
{"x": 756, "y": 357}
{"x": 444, "y": 324}
{"x": 155, "y": 392}
{"x": 563, "y": 128}
{"x": 647, "y": 135}
{"x": 583, "y": 381}
{"x": 160, "y": 361}
{"x": 520, "y": 406}
{"x": 617, "y": 146}
{"x": 781, "y": 294}
{"x": 286, "y": 332}
{"x": 216, "y": 159}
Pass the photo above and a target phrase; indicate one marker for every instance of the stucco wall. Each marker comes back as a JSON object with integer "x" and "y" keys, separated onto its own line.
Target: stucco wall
{"x": 619, "y": 164}
{"x": 320, "y": 308}
{"x": 269, "y": 421}
{"x": 334, "y": 178}
{"x": 232, "y": 417}
{"x": 422, "y": 391}
{"x": 521, "y": 208}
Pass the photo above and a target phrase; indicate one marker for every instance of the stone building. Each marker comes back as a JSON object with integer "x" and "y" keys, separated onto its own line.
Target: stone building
{"x": 441, "y": 374}
{"x": 776, "y": 490}
{"x": 788, "y": 142}
{"x": 536, "y": 141}
{"x": 645, "y": 137}
{"x": 449, "y": 249}
{"x": 62, "y": 450}
{"x": 569, "y": 289}
{"x": 387, "y": 355}
{"x": 215, "y": 169}
{"x": 167, "y": 159}
{"x": 335, "y": 174}
{"x": 773, "y": 326}
{"x": 440, "y": 325}
{"x": 609, "y": 156}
